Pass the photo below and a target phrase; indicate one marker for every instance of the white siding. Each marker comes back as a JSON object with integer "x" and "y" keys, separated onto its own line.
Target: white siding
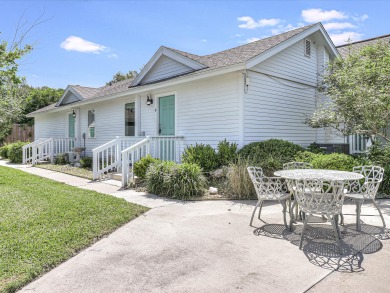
{"x": 280, "y": 93}
{"x": 69, "y": 98}
{"x": 51, "y": 125}
{"x": 165, "y": 67}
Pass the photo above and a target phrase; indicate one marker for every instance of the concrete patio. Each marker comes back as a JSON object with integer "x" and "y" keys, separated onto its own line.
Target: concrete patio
{"x": 208, "y": 246}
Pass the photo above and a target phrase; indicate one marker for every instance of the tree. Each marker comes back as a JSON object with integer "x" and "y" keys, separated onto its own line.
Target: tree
{"x": 358, "y": 92}
{"x": 12, "y": 87}
{"x": 119, "y": 76}
{"x": 38, "y": 98}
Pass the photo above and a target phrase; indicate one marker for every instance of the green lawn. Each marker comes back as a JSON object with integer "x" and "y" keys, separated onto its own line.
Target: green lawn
{"x": 44, "y": 222}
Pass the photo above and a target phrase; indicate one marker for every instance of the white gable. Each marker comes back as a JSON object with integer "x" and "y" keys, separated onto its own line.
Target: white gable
{"x": 164, "y": 68}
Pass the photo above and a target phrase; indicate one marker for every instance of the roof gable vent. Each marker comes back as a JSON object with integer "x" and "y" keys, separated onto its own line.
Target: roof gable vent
{"x": 307, "y": 48}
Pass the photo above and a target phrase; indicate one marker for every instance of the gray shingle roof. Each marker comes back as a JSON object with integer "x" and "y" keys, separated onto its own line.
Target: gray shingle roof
{"x": 217, "y": 60}
{"x": 356, "y": 46}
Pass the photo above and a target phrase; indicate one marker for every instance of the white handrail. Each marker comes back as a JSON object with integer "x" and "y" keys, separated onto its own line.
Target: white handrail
{"x": 37, "y": 151}
{"x": 131, "y": 155}
{"x": 106, "y": 157}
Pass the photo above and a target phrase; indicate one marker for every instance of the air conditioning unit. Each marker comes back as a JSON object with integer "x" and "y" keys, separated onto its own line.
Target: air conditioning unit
{"x": 335, "y": 147}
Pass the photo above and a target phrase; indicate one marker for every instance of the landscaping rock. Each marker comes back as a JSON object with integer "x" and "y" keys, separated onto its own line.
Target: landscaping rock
{"x": 213, "y": 190}
{"x": 219, "y": 173}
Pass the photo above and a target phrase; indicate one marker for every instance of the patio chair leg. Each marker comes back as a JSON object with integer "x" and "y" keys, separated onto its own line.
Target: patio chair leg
{"x": 336, "y": 232}
{"x": 303, "y": 230}
{"x": 358, "y": 211}
{"x": 380, "y": 212}
{"x": 290, "y": 207}
{"x": 284, "y": 205}
{"x": 261, "y": 206}
{"x": 254, "y": 211}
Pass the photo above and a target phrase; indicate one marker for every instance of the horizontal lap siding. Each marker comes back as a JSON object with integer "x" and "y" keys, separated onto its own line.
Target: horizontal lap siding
{"x": 51, "y": 125}
{"x": 278, "y": 100}
{"x": 165, "y": 67}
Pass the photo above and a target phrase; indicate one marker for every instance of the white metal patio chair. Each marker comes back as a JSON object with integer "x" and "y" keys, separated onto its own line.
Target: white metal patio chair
{"x": 270, "y": 188}
{"x": 366, "y": 188}
{"x": 297, "y": 165}
{"x": 319, "y": 197}
{"x": 294, "y": 166}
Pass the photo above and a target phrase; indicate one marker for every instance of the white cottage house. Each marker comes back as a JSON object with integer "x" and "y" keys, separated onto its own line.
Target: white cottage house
{"x": 249, "y": 93}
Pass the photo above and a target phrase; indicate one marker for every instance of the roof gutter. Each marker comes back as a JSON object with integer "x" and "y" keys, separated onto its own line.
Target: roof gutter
{"x": 148, "y": 87}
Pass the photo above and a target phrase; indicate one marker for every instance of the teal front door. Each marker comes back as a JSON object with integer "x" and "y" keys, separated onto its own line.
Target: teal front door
{"x": 167, "y": 128}
{"x": 167, "y": 115}
{"x": 71, "y": 129}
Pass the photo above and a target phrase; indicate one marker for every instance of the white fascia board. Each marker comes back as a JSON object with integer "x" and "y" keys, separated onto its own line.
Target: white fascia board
{"x": 67, "y": 90}
{"x": 280, "y": 47}
{"x": 183, "y": 59}
{"x": 329, "y": 41}
{"x": 149, "y": 87}
{"x": 171, "y": 54}
{"x": 148, "y": 66}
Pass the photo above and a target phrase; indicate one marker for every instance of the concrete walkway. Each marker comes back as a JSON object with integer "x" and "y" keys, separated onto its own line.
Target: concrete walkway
{"x": 208, "y": 246}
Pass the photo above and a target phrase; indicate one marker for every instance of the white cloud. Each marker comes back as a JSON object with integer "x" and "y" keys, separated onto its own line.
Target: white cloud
{"x": 281, "y": 29}
{"x": 114, "y": 56}
{"x": 338, "y": 25}
{"x": 317, "y": 15}
{"x": 78, "y": 44}
{"x": 250, "y": 23}
{"x": 343, "y": 38}
{"x": 360, "y": 18}
{"x": 250, "y": 40}
{"x": 204, "y": 40}
{"x": 236, "y": 36}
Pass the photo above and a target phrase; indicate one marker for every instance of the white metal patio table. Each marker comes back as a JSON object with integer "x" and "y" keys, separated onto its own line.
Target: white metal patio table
{"x": 318, "y": 174}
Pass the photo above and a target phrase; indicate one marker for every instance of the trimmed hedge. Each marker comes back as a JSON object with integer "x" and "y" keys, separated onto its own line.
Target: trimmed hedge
{"x": 202, "y": 155}
{"x": 15, "y": 151}
{"x": 141, "y": 167}
{"x": 4, "y": 151}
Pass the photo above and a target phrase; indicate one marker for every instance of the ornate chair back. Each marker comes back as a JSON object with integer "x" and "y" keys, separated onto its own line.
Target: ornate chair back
{"x": 319, "y": 197}
{"x": 267, "y": 188}
{"x": 368, "y": 187}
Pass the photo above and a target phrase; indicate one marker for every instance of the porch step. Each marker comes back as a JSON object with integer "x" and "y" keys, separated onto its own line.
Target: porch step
{"x": 116, "y": 176}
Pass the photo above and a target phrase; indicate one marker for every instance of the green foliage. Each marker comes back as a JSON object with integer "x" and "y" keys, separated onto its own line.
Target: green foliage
{"x": 119, "y": 76}
{"x": 4, "y": 151}
{"x": 359, "y": 90}
{"x": 141, "y": 167}
{"x": 334, "y": 161}
{"x": 60, "y": 159}
{"x": 181, "y": 181}
{"x": 305, "y": 156}
{"x": 385, "y": 185}
{"x": 202, "y": 155}
{"x": 15, "y": 151}
{"x": 379, "y": 154}
{"x": 44, "y": 223}
{"x": 38, "y": 98}
{"x": 314, "y": 148}
{"x": 239, "y": 182}
{"x": 270, "y": 154}
{"x": 86, "y": 162}
{"x": 227, "y": 152}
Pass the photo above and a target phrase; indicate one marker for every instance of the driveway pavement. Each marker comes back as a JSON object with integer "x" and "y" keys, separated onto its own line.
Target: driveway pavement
{"x": 208, "y": 246}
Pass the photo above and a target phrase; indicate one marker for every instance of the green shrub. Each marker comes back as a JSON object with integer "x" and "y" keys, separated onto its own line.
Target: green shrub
{"x": 239, "y": 182}
{"x": 61, "y": 159}
{"x": 86, "y": 162}
{"x": 227, "y": 152}
{"x": 4, "y": 151}
{"x": 335, "y": 161}
{"x": 270, "y": 154}
{"x": 202, "y": 155}
{"x": 15, "y": 151}
{"x": 305, "y": 156}
{"x": 142, "y": 166}
{"x": 173, "y": 180}
{"x": 385, "y": 185}
{"x": 315, "y": 149}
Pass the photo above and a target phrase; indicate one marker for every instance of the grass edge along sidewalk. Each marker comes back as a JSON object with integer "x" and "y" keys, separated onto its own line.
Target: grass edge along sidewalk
{"x": 44, "y": 222}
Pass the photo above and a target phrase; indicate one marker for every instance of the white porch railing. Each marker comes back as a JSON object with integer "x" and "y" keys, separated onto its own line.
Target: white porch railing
{"x": 122, "y": 152}
{"x": 357, "y": 144}
{"x": 46, "y": 148}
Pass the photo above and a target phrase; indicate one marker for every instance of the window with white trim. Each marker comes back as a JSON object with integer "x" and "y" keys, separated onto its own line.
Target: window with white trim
{"x": 307, "y": 48}
{"x": 91, "y": 123}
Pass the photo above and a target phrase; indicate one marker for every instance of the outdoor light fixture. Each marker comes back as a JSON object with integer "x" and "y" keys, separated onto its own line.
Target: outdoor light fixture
{"x": 74, "y": 114}
{"x": 149, "y": 100}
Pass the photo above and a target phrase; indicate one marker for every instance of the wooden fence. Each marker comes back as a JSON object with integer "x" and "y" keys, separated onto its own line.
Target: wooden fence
{"x": 21, "y": 132}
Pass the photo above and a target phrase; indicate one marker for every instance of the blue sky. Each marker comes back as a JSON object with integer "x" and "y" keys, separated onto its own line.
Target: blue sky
{"x": 87, "y": 42}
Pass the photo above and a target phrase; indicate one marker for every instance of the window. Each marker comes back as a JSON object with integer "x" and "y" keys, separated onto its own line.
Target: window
{"x": 130, "y": 119}
{"x": 91, "y": 123}
{"x": 307, "y": 48}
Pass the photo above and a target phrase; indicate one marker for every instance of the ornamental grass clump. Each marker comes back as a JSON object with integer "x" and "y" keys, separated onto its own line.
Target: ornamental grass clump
{"x": 239, "y": 183}
{"x": 181, "y": 181}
